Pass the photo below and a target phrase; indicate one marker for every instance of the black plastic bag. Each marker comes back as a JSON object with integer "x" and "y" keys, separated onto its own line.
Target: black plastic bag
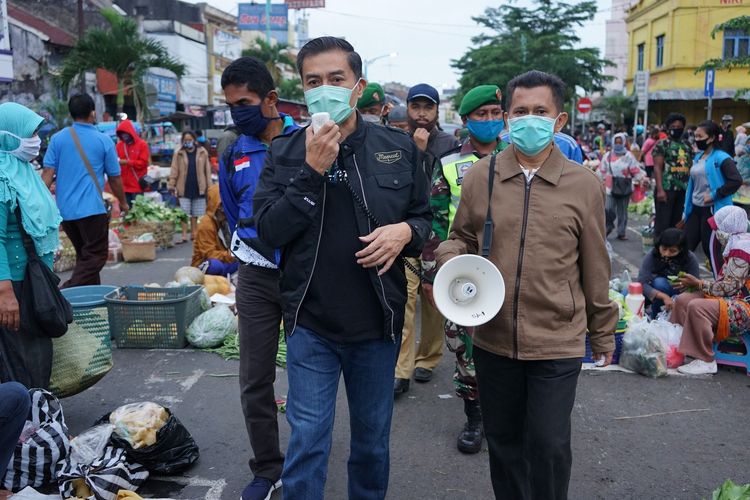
{"x": 174, "y": 451}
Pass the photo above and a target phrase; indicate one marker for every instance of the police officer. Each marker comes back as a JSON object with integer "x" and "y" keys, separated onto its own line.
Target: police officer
{"x": 482, "y": 114}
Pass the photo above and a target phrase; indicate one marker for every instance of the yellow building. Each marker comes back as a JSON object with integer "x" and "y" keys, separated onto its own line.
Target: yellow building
{"x": 670, "y": 39}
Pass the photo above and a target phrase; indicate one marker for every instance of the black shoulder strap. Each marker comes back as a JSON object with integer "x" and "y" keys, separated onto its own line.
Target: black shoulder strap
{"x": 28, "y": 243}
{"x": 489, "y": 225}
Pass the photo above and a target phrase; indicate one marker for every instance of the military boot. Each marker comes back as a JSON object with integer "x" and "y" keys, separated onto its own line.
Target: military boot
{"x": 470, "y": 439}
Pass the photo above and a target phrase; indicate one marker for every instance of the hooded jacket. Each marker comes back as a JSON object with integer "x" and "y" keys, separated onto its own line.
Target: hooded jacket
{"x": 137, "y": 154}
{"x": 208, "y": 242}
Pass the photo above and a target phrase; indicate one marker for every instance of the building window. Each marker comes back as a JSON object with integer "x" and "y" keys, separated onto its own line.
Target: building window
{"x": 660, "y": 51}
{"x": 641, "y": 50}
{"x": 736, "y": 44}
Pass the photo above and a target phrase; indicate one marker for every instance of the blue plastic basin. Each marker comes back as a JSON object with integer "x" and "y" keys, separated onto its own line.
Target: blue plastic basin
{"x": 81, "y": 297}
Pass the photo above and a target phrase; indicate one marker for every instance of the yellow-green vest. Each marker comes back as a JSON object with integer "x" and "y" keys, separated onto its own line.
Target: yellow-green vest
{"x": 455, "y": 167}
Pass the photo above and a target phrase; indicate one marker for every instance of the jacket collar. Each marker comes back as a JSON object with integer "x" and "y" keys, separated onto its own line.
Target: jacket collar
{"x": 251, "y": 144}
{"x": 551, "y": 170}
{"x": 357, "y": 138}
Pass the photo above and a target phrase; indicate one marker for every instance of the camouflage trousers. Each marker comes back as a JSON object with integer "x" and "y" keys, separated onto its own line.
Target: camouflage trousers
{"x": 458, "y": 339}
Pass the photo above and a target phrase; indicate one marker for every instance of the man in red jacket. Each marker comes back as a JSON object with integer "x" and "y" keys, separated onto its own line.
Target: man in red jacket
{"x": 134, "y": 157}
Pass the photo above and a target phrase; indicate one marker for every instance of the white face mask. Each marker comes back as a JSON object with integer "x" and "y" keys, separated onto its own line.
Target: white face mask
{"x": 371, "y": 118}
{"x": 28, "y": 149}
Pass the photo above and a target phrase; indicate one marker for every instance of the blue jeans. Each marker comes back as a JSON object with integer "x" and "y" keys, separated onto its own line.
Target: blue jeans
{"x": 663, "y": 285}
{"x": 14, "y": 408}
{"x": 314, "y": 367}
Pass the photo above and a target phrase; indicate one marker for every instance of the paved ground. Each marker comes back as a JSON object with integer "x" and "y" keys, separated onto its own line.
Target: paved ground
{"x": 677, "y": 455}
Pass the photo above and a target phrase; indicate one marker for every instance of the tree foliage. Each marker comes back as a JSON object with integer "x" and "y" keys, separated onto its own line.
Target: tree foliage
{"x": 291, "y": 89}
{"x": 121, "y": 50}
{"x": 275, "y": 56}
{"x": 618, "y": 109}
{"x": 741, "y": 23}
{"x": 541, "y": 38}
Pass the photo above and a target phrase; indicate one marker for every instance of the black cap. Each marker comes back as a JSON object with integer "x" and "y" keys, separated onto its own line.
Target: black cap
{"x": 424, "y": 90}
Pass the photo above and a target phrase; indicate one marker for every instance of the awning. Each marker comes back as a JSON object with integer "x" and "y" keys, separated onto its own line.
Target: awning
{"x": 690, "y": 95}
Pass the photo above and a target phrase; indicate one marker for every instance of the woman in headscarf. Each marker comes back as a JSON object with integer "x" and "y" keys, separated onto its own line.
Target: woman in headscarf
{"x": 211, "y": 241}
{"x": 25, "y": 356}
{"x": 718, "y": 309}
{"x": 620, "y": 169}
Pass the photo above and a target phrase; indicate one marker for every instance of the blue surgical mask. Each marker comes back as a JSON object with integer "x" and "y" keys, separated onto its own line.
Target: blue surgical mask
{"x": 619, "y": 149}
{"x": 531, "y": 133}
{"x": 332, "y": 100}
{"x": 485, "y": 131}
{"x": 249, "y": 119}
{"x": 188, "y": 144}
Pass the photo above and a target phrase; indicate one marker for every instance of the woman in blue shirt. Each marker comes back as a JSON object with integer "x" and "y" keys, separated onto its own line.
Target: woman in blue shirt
{"x": 714, "y": 178}
{"x": 26, "y": 355}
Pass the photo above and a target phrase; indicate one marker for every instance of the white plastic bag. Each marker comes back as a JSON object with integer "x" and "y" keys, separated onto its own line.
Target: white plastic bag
{"x": 90, "y": 445}
{"x": 670, "y": 335}
{"x": 212, "y": 327}
{"x": 138, "y": 423}
{"x": 643, "y": 351}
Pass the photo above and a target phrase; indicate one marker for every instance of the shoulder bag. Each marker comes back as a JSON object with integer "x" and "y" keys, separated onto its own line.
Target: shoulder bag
{"x": 43, "y": 307}
{"x": 90, "y": 169}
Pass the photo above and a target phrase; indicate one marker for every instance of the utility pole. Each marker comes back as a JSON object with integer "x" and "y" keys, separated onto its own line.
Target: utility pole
{"x": 82, "y": 76}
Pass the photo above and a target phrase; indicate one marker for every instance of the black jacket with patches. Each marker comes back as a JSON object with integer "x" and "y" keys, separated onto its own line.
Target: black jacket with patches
{"x": 382, "y": 167}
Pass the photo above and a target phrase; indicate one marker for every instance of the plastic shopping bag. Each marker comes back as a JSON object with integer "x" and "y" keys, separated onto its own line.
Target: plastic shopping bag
{"x": 90, "y": 445}
{"x": 643, "y": 351}
{"x": 102, "y": 479}
{"x": 212, "y": 327}
{"x": 43, "y": 444}
{"x": 670, "y": 335}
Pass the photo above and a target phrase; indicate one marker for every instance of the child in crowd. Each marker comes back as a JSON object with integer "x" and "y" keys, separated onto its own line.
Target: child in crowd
{"x": 669, "y": 257}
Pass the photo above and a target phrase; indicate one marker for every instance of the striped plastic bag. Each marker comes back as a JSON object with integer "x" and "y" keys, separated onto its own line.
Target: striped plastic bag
{"x": 44, "y": 443}
{"x": 102, "y": 479}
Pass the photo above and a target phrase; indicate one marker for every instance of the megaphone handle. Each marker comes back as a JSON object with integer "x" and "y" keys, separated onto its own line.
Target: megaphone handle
{"x": 489, "y": 225}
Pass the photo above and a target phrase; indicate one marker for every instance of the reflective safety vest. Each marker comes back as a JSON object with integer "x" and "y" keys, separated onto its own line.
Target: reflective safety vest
{"x": 455, "y": 167}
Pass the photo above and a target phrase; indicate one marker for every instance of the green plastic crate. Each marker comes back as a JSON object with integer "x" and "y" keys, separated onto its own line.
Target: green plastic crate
{"x": 152, "y": 318}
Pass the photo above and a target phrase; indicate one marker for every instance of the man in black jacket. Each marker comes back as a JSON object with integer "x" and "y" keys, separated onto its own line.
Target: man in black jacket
{"x": 343, "y": 204}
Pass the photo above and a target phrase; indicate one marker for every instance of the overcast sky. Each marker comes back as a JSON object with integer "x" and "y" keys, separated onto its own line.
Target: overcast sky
{"x": 426, "y": 34}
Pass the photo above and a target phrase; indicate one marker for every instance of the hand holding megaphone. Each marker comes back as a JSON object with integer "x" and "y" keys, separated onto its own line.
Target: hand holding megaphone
{"x": 322, "y": 142}
{"x": 469, "y": 290}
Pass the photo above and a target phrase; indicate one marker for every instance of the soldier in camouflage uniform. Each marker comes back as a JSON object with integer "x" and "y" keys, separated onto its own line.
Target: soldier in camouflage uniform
{"x": 673, "y": 158}
{"x": 481, "y": 112}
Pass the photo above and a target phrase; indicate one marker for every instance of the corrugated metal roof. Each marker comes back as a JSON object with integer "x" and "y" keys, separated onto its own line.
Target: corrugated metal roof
{"x": 56, "y": 35}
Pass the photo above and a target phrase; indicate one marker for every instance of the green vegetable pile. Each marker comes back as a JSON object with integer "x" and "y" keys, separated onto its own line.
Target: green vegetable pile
{"x": 731, "y": 491}
{"x": 144, "y": 210}
{"x": 643, "y": 207}
{"x": 230, "y": 350}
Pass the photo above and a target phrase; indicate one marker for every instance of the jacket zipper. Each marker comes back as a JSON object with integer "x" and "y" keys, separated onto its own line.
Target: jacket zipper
{"x": 369, "y": 227}
{"x": 519, "y": 267}
{"x": 315, "y": 260}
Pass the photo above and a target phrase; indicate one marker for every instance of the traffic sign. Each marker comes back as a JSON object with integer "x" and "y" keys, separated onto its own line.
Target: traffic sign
{"x": 641, "y": 89}
{"x": 708, "y": 86}
{"x": 584, "y": 105}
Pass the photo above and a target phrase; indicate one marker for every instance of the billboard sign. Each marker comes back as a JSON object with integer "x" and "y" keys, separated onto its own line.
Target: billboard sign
{"x": 252, "y": 17}
{"x": 306, "y": 4}
{"x": 227, "y": 44}
{"x": 165, "y": 87}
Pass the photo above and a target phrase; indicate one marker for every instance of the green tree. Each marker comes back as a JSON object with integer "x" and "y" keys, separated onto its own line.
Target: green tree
{"x": 741, "y": 23}
{"x": 541, "y": 38}
{"x": 291, "y": 89}
{"x": 121, "y": 50}
{"x": 275, "y": 56}
{"x": 618, "y": 109}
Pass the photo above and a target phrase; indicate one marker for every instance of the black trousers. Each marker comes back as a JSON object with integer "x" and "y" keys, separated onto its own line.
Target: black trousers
{"x": 90, "y": 238}
{"x": 669, "y": 213}
{"x": 526, "y": 407}
{"x": 697, "y": 230}
{"x": 259, "y": 309}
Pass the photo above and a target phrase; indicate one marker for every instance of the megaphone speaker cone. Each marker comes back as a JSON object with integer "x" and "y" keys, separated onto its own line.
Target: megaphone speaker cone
{"x": 469, "y": 290}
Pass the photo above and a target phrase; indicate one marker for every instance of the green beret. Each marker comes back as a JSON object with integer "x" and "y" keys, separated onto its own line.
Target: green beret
{"x": 373, "y": 94}
{"x": 478, "y": 96}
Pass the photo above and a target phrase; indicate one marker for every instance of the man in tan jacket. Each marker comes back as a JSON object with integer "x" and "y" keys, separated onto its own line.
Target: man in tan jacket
{"x": 549, "y": 244}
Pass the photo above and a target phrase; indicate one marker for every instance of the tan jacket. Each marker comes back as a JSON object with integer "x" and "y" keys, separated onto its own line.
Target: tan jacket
{"x": 178, "y": 174}
{"x": 557, "y": 276}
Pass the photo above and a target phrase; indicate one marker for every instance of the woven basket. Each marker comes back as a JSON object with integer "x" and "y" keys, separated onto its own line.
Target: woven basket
{"x": 138, "y": 252}
{"x": 163, "y": 232}
{"x": 82, "y": 356}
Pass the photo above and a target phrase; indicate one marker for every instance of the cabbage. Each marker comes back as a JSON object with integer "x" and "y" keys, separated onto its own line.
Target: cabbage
{"x": 212, "y": 327}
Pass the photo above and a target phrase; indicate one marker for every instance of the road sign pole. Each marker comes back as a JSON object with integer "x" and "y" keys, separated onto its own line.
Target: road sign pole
{"x": 710, "y": 107}
{"x": 573, "y": 116}
{"x": 708, "y": 89}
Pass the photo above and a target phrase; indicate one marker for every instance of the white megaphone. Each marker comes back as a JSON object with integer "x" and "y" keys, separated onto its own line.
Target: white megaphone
{"x": 469, "y": 290}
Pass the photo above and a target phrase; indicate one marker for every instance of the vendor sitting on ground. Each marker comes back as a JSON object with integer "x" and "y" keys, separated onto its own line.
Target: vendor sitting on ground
{"x": 670, "y": 257}
{"x": 211, "y": 242}
{"x": 718, "y": 309}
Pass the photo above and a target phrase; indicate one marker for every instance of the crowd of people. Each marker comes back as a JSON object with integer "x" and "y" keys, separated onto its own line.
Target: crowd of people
{"x": 339, "y": 232}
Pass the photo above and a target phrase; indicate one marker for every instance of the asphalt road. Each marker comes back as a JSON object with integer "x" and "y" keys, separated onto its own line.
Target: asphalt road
{"x": 633, "y": 437}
